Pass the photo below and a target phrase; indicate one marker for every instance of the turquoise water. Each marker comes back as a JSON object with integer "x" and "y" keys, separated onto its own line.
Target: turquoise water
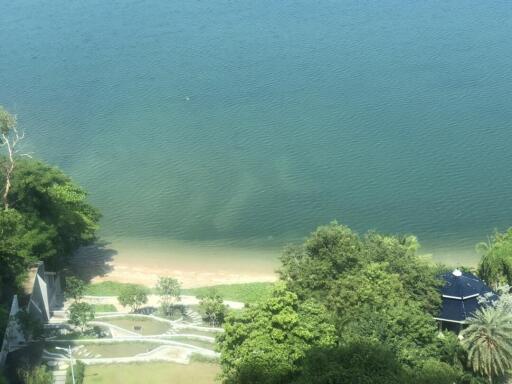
{"x": 249, "y": 123}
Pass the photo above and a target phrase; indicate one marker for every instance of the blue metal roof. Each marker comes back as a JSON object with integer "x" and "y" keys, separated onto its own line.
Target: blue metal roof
{"x": 463, "y": 284}
{"x": 460, "y": 296}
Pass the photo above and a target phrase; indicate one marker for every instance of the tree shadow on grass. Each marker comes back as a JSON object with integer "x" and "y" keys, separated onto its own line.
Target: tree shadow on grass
{"x": 92, "y": 261}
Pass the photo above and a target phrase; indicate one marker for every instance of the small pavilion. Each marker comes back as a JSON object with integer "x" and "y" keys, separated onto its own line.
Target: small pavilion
{"x": 460, "y": 295}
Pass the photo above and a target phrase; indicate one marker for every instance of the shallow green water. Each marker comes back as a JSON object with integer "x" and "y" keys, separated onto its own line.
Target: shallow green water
{"x": 249, "y": 123}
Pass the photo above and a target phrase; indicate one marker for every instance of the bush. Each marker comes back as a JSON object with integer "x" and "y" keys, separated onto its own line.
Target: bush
{"x": 213, "y": 309}
{"x": 79, "y": 370}
{"x": 133, "y": 296}
{"x": 74, "y": 288}
{"x": 80, "y": 314}
{"x": 31, "y": 326}
{"x": 38, "y": 375}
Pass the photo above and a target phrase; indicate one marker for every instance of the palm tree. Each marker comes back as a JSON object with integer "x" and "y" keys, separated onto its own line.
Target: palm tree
{"x": 488, "y": 341}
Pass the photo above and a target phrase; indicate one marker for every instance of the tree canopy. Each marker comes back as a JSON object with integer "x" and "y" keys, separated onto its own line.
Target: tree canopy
{"x": 265, "y": 343}
{"x": 348, "y": 309}
{"x": 48, "y": 219}
{"x": 495, "y": 267}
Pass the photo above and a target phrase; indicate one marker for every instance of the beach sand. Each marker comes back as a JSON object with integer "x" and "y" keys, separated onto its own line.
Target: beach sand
{"x": 195, "y": 265}
{"x": 204, "y": 264}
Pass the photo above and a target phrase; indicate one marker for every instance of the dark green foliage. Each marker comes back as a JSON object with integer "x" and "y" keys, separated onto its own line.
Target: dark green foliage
{"x": 4, "y": 319}
{"x": 435, "y": 372}
{"x": 265, "y": 343}
{"x": 31, "y": 326}
{"x": 356, "y": 363}
{"x": 333, "y": 251}
{"x": 49, "y": 218}
{"x": 37, "y": 375}
{"x": 23, "y": 240}
{"x": 375, "y": 292}
{"x": 329, "y": 252}
{"x": 79, "y": 371}
{"x": 213, "y": 309}
{"x": 133, "y": 296}
{"x": 48, "y": 196}
{"x": 373, "y": 303}
{"x": 495, "y": 267}
{"x": 74, "y": 288}
{"x": 419, "y": 277}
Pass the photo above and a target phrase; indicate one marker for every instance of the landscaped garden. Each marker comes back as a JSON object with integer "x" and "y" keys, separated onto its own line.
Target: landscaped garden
{"x": 152, "y": 373}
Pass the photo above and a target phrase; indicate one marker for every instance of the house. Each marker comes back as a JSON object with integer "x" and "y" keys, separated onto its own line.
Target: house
{"x": 460, "y": 298}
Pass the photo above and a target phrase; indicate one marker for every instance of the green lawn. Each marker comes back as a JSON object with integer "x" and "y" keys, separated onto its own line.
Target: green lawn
{"x": 246, "y": 293}
{"x": 106, "y": 288}
{"x": 98, "y": 308}
{"x": 148, "y": 326}
{"x": 120, "y": 349}
{"x": 196, "y": 343}
{"x": 152, "y": 373}
{"x": 190, "y": 331}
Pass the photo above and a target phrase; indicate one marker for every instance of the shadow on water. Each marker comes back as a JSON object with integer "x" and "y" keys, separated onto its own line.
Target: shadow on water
{"x": 93, "y": 261}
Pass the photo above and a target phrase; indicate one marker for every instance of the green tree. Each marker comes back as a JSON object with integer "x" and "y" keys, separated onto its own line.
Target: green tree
{"x": 213, "y": 308}
{"x": 133, "y": 296}
{"x": 74, "y": 288}
{"x": 23, "y": 240}
{"x": 169, "y": 290}
{"x": 334, "y": 251}
{"x": 495, "y": 266}
{"x": 265, "y": 343}
{"x": 362, "y": 362}
{"x": 419, "y": 277}
{"x": 48, "y": 219}
{"x": 80, "y": 314}
{"x": 372, "y": 303}
{"x": 488, "y": 342}
{"x": 330, "y": 251}
{"x": 434, "y": 372}
{"x": 38, "y": 375}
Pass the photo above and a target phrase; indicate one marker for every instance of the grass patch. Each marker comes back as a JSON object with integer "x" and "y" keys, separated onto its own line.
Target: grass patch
{"x": 119, "y": 349}
{"x": 107, "y": 288}
{"x": 194, "y": 342}
{"x": 147, "y": 326}
{"x": 152, "y": 373}
{"x": 249, "y": 293}
{"x": 104, "y": 308}
{"x": 190, "y": 331}
{"x": 196, "y": 357}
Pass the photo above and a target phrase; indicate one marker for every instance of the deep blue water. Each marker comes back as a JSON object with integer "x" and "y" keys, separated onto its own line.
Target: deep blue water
{"x": 252, "y": 122}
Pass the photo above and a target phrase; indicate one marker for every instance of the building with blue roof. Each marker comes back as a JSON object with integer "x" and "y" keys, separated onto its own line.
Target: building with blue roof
{"x": 460, "y": 295}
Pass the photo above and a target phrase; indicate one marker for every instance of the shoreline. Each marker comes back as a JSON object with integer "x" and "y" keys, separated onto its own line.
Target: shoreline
{"x": 194, "y": 265}
{"x": 201, "y": 264}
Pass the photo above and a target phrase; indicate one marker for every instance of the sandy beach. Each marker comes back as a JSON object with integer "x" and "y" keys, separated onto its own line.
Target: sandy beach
{"x": 195, "y": 265}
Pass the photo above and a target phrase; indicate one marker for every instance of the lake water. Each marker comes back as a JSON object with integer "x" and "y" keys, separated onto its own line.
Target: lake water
{"x": 249, "y": 123}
